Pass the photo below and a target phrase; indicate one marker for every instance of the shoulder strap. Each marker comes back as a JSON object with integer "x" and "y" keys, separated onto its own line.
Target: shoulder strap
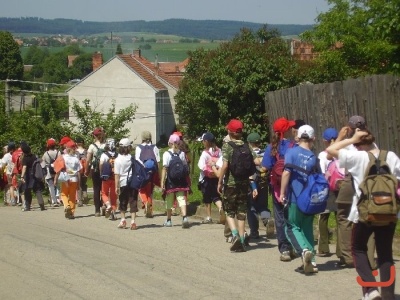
{"x": 95, "y": 146}
{"x": 141, "y": 146}
{"x": 233, "y": 144}
{"x": 295, "y": 167}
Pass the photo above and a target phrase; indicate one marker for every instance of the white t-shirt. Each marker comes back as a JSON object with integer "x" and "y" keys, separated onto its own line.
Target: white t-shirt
{"x": 204, "y": 158}
{"x": 92, "y": 148}
{"x": 155, "y": 149}
{"x": 122, "y": 165}
{"x": 167, "y": 157}
{"x": 356, "y": 162}
{"x": 73, "y": 166}
{"x": 104, "y": 157}
{"x": 323, "y": 161}
{"x": 7, "y": 161}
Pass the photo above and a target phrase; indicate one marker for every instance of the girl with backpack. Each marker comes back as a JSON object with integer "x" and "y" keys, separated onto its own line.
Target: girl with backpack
{"x": 149, "y": 155}
{"x": 357, "y": 162}
{"x": 329, "y": 136}
{"x": 49, "y": 158}
{"x": 174, "y": 179}
{"x": 107, "y": 164}
{"x": 69, "y": 165}
{"x": 273, "y": 161}
{"x": 208, "y": 180}
{"x": 126, "y": 195}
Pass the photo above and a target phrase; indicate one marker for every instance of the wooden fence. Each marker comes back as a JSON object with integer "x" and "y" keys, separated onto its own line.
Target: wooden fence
{"x": 376, "y": 98}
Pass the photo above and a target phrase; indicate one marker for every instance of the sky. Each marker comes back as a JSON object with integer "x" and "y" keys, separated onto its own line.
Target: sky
{"x": 258, "y": 11}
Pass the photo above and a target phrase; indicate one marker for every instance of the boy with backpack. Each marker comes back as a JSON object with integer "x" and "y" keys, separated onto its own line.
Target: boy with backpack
{"x": 81, "y": 153}
{"x": 375, "y": 205}
{"x": 238, "y": 165}
{"x": 49, "y": 158}
{"x": 149, "y": 155}
{"x": 108, "y": 195}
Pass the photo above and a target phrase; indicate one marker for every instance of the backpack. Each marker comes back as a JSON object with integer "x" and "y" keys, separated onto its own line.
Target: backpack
{"x": 334, "y": 174}
{"x": 82, "y": 160}
{"x": 378, "y": 203}
{"x": 177, "y": 169}
{"x": 313, "y": 198}
{"x": 107, "y": 170}
{"x": 137, "y": 177}
{"x": 96, "y": 159}
{"x": 16, "y": 158}
{"x": 51, "y": 166}
{"x": 208, "y": 172}
{"x": 242, "y": 165}
{"x": 148, "y": 158}
{"x": 277, "y": 169}
{"x": 38, "y": 170}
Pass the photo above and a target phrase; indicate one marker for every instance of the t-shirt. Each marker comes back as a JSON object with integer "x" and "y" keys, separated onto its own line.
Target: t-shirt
{"x": 167, "y": 157}
{"x": 269, "y": 161}
{"x": 72, "y": 166}
{"x": 122, "y": 164}
{"x": 92, "y": 148}
{"x": 53, "y": 154}
{"x": 6, "y": 162}
{"x": 356, "y": 163}
{"x": 155, "y": 150}
{"x": 302, "y": 158}
{"x": 323, "y": 161}
{"x": 204, "y": 159}
{"x": 227, "y": 152}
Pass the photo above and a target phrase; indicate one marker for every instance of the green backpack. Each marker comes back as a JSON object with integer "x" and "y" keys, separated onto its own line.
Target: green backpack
{"x": 95, "y": 166}
{"x": 378, "y": 204}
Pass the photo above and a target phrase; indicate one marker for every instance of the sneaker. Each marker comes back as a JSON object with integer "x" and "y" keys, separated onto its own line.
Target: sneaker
{"x": 149, "y": 212}
{"x": 229, "y": 239}
{"x": 246, "y": 239}
{"x": 301, "y": 269}
{"x": 254, "y": 235}
{"x": 285, "y": 256}
{"x": 68, "y": 212}
{"x": 324, "y": 254}
{"x": 185, "y": 223}
{"x": 168, "y": 223}
{"x": 307, "y": 265}
{"x": 222, "y": 217}
{"x": 56, "y": 205}
{"x": 97, "y": 214}
{"x": 270, "y": 225}
{"x": 207, "y": 220}
{"x": 236, "y": 243}
{"x": 133, "y": 226}
{"x": 25, "y": 209}
{"x": 372, "y": 295}
{"x": 293, "y": 254}
{"x": 107, "y": 213}
{"x": 122, "y": 224}
{"x": 112, "y": 217}
{"x": 103, "y": 211}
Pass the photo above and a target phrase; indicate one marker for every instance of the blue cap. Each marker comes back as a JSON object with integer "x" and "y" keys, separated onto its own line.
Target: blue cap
{"x": 330, "y": 134}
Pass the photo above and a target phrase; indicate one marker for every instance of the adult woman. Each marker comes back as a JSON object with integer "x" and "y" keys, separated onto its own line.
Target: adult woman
{"x": 174, "y": 187}
{"x": 356, "y": 163}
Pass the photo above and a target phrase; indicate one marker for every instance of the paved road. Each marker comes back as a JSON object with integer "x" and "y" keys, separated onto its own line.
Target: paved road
{"x": 45, "y": 256}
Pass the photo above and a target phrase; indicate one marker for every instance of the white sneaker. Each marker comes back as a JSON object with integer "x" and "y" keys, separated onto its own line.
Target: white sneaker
{"x": 307, "y": 265}
{"x": 373, "y": 295}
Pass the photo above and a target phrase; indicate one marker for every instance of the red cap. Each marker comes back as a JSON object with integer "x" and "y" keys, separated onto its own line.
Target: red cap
{"x": 235, "y": 125}
{"x": 178, "y": 133}
{"x": 51, "y": 142}
{"x": 282, "y": 125}
{"x": 70, "y": 144}
{"x": 64, "y": 140}
{"x": 98, "y": 130}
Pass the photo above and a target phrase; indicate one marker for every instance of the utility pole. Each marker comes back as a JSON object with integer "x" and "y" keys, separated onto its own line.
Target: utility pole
{"x": 7, "y": 97}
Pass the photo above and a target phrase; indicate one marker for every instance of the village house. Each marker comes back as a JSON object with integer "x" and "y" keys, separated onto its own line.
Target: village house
{"x": 132, "y": 79}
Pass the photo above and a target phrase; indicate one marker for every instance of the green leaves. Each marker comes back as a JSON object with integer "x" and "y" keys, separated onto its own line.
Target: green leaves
{"x": 11, "y": 65}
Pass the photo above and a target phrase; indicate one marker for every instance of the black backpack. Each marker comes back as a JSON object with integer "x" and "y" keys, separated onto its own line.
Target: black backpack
{"x": 38, "y": 172}
{"x": 52, "y": 160}
{"x": 177, "y": 169}
{"x": 242, "y": 165}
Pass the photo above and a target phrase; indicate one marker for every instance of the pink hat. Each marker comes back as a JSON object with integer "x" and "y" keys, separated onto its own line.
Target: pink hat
{"x": 173, "y": 139}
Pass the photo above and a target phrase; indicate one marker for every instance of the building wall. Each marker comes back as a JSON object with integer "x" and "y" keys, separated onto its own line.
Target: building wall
{"x": 115, "y": 81}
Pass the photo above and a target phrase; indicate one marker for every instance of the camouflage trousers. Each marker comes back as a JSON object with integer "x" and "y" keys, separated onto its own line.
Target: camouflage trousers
{"x": 235, "y": 199}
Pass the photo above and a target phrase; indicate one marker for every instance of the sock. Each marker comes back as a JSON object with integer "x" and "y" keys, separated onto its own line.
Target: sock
{"x": 235, "y": 232}
{"x": 169, "y": 220}
{"x": 242, "y": 239}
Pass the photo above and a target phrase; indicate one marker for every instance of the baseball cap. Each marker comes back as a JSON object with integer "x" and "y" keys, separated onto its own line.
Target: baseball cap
{"x": 282, "y": 125}
{"x": 330, "y": 134}
{"x": 64, "y": 140}
{"x": 305, "y": 132}
{"x": 178, "y": 133}
{"x": 111, "y": 143}
{"x": 298, "y": 123}
{"x": 70, "y": 144}
{"x": 208, "y": 136}
{"x": 253, "y": 137}
{"x": 125, "y": 142}
{"x": 173, "y": 139}
{"x": 146, "y": 136}
{"x": 11, "y": 146}
{"x": 51, "y": 142}
{"x": 357, "y": 122}
{"x": 79, "y": 140}
{"x": 235, "y": 125}
{"x": 98, "y": 130}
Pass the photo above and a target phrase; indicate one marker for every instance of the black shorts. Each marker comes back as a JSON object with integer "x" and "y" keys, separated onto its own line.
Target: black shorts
{"x": 209, "y": 189}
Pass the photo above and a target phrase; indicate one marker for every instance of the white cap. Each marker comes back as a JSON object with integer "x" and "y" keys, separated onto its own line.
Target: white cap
{"x": 125, "y": 142}
{"x": 305, "y": 132}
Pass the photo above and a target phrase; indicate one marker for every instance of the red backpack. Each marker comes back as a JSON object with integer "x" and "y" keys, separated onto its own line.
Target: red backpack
{"x": 208, "y": 172}
{"x": 16, "y": 159}
{"x": 277, "y": 169}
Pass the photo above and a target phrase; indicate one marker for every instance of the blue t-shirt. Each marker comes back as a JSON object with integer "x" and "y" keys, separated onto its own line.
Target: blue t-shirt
{"x": 304, "y": 159}
{"x": 269, "y": 161}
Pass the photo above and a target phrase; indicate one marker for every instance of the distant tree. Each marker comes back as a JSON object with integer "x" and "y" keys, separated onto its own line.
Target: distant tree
{"x": 231, "y": 82}
{"x": 119, "y": 49}
{"x": 11, "y": 64}
{"x": 35, "y": 55}
{"x": 82, "y": 66}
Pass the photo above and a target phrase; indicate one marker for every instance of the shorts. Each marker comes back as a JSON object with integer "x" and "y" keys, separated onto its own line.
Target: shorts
{"x": 209, "y": 189}
{"x": 235, "y": 199}
{"x": 130, "y": 196}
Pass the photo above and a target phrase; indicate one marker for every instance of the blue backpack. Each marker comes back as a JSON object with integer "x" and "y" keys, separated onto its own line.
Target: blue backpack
{"x": 314, "y": 195}
{"x": 107, "y": 170}
{"x": 138, "y": 177}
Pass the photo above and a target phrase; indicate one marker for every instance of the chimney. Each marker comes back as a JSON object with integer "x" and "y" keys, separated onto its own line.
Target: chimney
{"x": 137, "y": 53}
{"x": 97, "y": 60}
